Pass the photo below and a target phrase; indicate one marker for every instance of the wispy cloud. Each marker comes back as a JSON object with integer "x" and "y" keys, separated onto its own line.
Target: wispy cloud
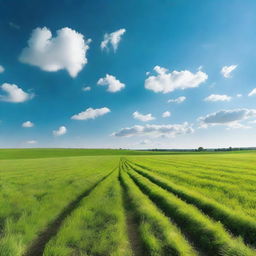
{"x": 230, "y": 118}
{"x": 218, "y": 97}
{"x": 2, "y": 69}
{"x": 252, "y": 92}
{"x": 227, "y": 70}
{"x": 170, "y": 130}
{"x": 113, "y": 39}
{"x": 31, "y": 142}
{"x": 177, "y": 100}
{"x": 91, "y": 113}
{"x": 86, "y": 88}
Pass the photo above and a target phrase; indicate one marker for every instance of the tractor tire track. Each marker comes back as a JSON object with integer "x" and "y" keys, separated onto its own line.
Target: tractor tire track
{"x": 37, "y": 247}
{"x": 132, "y": 227}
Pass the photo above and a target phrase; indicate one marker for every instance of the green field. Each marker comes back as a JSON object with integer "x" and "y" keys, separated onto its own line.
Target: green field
{"x": 74, "y": 202}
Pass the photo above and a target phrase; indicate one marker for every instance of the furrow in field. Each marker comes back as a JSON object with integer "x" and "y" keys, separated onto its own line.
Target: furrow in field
{"x": 96, "y": 227}
{"x": 159, "y": 236}
{"x": 213, "y": 167}
{"x": 236, "y": 222}
{"x": 228, "y": 189}
{"x": 37, "y": 247}
{"x": 207, "y": 172}
{"x": 193, "y": 175}
{"x": 209, "y": 235}
{"x": 131, "y": 225}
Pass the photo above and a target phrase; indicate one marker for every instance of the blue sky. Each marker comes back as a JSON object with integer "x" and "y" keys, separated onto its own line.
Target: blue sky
{"x": 154, "y": 52}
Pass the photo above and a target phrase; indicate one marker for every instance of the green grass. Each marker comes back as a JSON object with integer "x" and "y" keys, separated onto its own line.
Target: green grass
{"x": 69, "y": 152}
{"x": 209, "y": 235}
{"x": 97, "y": 227}
{"x": 88, "y": 202}
{"x": 235, "y": 221}
{"x": 34, "y": 192}
{"x": 159, "y": 235}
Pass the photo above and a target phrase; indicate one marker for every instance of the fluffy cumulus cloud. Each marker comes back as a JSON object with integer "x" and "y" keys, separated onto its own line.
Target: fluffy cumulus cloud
{"x": 65, "y": 51}
{"x": 91, "y": 113}
{"x": 113, "y": 84}
{"x": 227, "y": 70}
{"x": 27, "y": 124}
{"x": 165, "y": 81}
{"x": 1, "y": 69}
{"x": 60, "y": 131}
{"x": 113, "y": 39}
{"x": 231, "y": 118}
{"x": 143, "y": 118}
{"x": 177, "y": 100}
{"x": 170, "y": 130}
{"x": 166, "y": 114}
{"x": 218, "y": 97}
{"x": 14, "y": 94}
{"x": 252, "y": 92}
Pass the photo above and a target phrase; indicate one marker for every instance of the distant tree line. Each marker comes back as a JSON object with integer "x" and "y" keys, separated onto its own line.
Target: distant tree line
{"x": 200, "y": 149}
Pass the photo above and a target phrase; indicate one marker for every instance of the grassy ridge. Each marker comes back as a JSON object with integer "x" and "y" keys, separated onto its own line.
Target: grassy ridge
{"x": 237, "y": 222}
{"x": 209, "y": 235}
{"x": 235, "y": 191}
{"x": 159, "y": 235}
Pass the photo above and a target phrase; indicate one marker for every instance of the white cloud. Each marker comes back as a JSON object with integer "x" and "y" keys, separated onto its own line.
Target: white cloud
{"x": 170, "y": 130}
{"x": 31, "y": 142}
{"x": 143, "y": 118}
{"x": 227, "y": 70}
{"x": 1, "y": 69}
{"x": 14, "y": 94}
{"x": 86, "y": 88}
{"x": 253, "y": 92}
{"x": 65, "y": 51}
{"x": 91, "y": 113}
{"x": 27, "y": 124}
{"x": 113, "y": 39}
{"x": 165, "y": 81}
{"x": 145, "y": 142}
{"x": 113, "y": 84}
{"x": 230, "y": 118}
{"x": 61, "y": 131}
{"x": 239, "y": 95}
{"x": 177, "y": 100}
{"x": 218, "y": 97}
{"x": 166, "y": 114}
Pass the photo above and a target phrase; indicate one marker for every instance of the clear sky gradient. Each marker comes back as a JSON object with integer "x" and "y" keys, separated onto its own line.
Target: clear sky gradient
{"x": 201, "y": 50}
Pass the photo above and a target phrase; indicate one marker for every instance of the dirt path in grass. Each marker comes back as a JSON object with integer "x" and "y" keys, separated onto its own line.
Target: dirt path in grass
{"x": 38, "y": 246}
{"x": 132, "y": 227}
{"x": 133, "y": 234}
